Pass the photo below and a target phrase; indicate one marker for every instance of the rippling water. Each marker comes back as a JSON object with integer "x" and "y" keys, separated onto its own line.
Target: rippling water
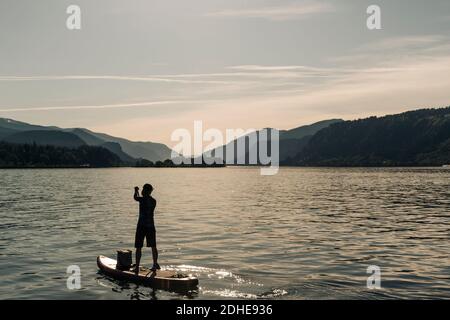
{"x": 302, "y": 234}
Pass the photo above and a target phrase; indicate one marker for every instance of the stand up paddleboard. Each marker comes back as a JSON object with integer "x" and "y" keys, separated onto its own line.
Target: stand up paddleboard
{"x": 159, "y": 279}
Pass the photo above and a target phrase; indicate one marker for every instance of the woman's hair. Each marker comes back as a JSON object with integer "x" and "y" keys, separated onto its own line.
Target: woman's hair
{"x": 147, "y": 190}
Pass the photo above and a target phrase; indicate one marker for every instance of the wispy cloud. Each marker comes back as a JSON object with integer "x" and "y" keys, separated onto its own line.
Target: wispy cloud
{"x": 285, "y": 95}
{"x": 105, "y": 106}
{"x": 285, "y": 12}
{"x": 267, "y": 68}
{"x": 405, "y": 42}
{"x": 110, "y": 77}
{"x": 294, "y": 71}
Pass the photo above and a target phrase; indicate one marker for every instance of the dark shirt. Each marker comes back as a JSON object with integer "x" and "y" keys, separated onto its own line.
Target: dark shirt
{"x": 146, "y": 211}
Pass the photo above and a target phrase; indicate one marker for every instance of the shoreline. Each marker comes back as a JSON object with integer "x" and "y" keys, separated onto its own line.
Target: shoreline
{"x": 232, "y": 166}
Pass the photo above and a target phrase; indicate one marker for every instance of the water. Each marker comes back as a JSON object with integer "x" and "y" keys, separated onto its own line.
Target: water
{"x": 302, "y": 234}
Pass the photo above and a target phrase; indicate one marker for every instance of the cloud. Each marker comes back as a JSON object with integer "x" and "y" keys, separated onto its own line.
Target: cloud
{"x": 396, "y": 48}
{"x": 105, "y": 106}
{"x": 390, "y": 83}
{"x": 286, "y": 96}
{"x": 303, "y": 69}
{"x": 267, "y": 68}
{"x": 280, "y": 13}
{"x": 404, "y": 42}
{"x": 109, "y": 77}
{"x": 356, "y": 95}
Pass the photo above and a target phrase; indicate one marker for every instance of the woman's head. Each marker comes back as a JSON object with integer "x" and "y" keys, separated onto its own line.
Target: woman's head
{"x": 147, "y": 190}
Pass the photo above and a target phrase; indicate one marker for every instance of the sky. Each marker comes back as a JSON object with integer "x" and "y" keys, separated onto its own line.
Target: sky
{"x": 141, "y": 69}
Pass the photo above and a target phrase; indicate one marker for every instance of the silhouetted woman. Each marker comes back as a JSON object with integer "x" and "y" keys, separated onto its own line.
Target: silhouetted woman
{"x": 146, "y": 225}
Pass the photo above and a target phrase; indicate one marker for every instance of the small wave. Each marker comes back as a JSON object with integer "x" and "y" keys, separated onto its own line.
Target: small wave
{"x": 211, "y": 273}
{"x": 274, "y": 293}
{"x": 227, "y": 293}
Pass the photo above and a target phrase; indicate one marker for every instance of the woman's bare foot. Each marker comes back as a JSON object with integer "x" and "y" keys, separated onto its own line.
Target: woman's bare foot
{"x": 135, "y": 269}
{"x": 155, "y": 267}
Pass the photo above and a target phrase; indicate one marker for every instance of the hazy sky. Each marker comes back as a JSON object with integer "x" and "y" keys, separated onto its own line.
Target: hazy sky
{"x": 143, "y": 68}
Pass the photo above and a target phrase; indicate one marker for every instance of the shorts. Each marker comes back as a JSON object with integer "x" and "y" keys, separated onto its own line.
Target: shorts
{"x": 148, "y": 233}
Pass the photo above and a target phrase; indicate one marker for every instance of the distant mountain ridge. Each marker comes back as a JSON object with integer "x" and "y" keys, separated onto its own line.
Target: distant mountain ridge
{"x": 13, "y": 155}
{"x": 291, "y": 142}
{"x": 4, "y": 132}
{"x": 23, "y": 126}
{"x": 413, "y": 138}
{"x": 45, "y": 137}
{"x": 146, "y": 150}
{"x": 128, "y": 151}
{"x": 307, "y": 130}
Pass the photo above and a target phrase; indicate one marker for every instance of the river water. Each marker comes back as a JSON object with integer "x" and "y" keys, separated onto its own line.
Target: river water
{"x": 304, "y": 233}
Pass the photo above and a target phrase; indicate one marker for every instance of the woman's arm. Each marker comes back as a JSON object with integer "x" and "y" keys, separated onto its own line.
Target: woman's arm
{"x": 136, "y": 193}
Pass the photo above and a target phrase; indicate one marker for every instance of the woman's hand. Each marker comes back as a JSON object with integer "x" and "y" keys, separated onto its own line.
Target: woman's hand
{"x": 136, "y": 193}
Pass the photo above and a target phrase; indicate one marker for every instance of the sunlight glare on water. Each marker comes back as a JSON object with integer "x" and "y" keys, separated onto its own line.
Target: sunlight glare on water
{"x": 304, "y": 233}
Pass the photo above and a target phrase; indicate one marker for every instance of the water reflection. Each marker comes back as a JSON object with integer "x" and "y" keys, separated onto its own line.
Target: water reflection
{"x": 304, "y": 233}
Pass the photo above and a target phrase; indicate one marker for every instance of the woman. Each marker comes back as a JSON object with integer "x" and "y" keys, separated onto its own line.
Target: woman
{"x": 146, "y": 225}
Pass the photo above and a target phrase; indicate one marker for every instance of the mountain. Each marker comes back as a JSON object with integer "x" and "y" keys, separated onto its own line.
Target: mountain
{"x": 115, "y": 148}
{"x": 127, "y": 150}
{"x": 89, "y": 138}
{"x": 413, "y": 138}
{"x": 93, "y": 140}
{"x": 45, "y": 137}
{"x": 22, "y": 126}
{"x": 294, "y": 140}
{"x": 291, "y": 141}
{"x": 4, "y": 132}
{"x": 145, "y": 150}
{"x": 13, "y": 155}
{"x": 308, "y": 130}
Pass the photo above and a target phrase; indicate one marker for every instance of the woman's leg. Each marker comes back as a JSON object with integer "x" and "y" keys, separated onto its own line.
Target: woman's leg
{"x": 138, "y": 258}
{"x": 155, "y": 255}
